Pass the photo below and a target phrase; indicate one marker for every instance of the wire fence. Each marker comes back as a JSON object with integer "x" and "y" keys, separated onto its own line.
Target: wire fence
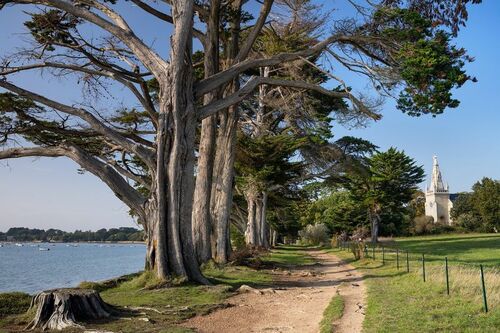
{"x": 465, "y": 278}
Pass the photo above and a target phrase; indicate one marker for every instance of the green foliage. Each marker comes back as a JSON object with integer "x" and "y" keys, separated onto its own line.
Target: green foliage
{"x": 486, "y": 200}
{"x": 468, "y": 222}
{"x": 14, "y": 303}
{"x": 338, "y": 210}
{"x": 480, "y": 209}
{"x": 386, "y": 188}
{"x": 423, "y": 57}
{"x": 461, "y": 205}
{"x": 266, "y": 159}
{"x": 21, "y": 234}
{"x": 425, "y": 225}
{"x": 52, "y": 27}
{"x": 314, "y": 234}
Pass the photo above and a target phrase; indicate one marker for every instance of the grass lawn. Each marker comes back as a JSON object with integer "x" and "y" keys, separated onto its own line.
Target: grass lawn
{"x": 461, "y": 248}
{"x": 403, "y": 302}
{"x": 135, "y": 293}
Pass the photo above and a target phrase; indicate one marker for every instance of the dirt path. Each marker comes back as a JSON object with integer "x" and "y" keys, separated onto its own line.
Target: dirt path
{"x": 296, "y": 302}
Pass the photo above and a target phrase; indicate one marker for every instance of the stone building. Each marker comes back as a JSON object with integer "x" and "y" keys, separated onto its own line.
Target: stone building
{"x": 437, "y": 197}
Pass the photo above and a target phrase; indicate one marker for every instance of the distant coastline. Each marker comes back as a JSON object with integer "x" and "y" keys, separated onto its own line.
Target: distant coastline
{"x": 72, "y": 242}
{"x": 113, "y": 235}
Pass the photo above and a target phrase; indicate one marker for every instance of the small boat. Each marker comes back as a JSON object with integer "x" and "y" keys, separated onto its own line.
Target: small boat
{"x": 19, "y": 244}
{"x": 43, "y": 249}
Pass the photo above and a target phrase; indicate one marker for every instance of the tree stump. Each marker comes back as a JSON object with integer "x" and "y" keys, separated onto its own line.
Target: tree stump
{"x": 61, "y": 308}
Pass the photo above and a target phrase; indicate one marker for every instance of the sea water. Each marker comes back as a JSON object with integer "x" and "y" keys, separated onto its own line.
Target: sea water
{"x": 33, "y": 267}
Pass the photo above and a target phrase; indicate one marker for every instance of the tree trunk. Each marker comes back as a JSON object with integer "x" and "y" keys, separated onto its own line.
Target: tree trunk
{"x": 274, "y": 238}
{"x": 264, "y": 227}
{"x": 222, "y": 191}
{"x": 61, "y": 308}
{"x": 202, "y": 219}
{"x": 250, "y": 233}
{"x": 375, "y": 222}
{"x": 170, "y": 208}
{"x": 223, "y": 178}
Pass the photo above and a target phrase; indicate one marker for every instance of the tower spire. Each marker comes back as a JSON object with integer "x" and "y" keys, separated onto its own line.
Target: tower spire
{"x": 437, "y": 184}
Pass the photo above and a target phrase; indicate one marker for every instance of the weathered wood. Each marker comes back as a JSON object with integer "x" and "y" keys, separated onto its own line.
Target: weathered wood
{"x": 61, "y": 308}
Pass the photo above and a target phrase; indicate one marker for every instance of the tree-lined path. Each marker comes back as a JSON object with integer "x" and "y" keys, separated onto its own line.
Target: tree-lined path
{"x": 296, "y": 301}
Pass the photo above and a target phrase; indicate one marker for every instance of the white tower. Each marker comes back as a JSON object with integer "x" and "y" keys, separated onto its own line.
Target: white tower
{"x": 437, "y": 197}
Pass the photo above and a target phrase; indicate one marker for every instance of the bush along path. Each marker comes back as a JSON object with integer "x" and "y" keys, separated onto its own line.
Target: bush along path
{"x": 297, "y": 300}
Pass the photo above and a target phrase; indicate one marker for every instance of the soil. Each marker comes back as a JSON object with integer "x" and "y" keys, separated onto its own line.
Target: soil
{"x": 295, "y": 302}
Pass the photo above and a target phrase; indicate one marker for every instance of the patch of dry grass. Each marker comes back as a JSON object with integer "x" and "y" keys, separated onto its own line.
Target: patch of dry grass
{"x": 466, "y": 281}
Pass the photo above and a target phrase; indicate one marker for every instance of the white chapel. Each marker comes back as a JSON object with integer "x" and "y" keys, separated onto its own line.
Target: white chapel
{"x": 437, "y": 197}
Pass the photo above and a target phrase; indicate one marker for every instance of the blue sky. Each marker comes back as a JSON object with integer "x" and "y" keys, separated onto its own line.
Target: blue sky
{"x": 49, "y": 193}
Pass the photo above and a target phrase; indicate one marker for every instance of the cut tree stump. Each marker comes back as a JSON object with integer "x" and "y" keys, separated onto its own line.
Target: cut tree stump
{"x": 61, "y": 308}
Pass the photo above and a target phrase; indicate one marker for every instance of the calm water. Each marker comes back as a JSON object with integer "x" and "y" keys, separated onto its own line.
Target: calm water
{"x": 30, "y": 270}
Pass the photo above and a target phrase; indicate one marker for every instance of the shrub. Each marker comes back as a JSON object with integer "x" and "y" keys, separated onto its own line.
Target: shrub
{"x": 358, "y": 249}
{"x": 334, "y": 242}
{"x": 468, "y": 221}
{"x": 423, "y": 225}
{"x": 247, "y": 256}
{"x": 314, "y": 234}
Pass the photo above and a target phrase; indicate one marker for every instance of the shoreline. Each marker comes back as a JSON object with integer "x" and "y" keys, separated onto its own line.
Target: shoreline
{"x": 82, "y": 242}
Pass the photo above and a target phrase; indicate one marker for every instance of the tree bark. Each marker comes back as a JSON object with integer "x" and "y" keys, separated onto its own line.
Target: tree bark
{"x": 375, "y": 222}
{"x": 62, "y": 308}
{"x": 264, "y": 227}
{"x": 222, "y": 192}
{"x": 171, "y": 250}
{"x": 250, "y": 233}
{"x": 257, "y": 233}
{"x": 223, "y": 178}
{"x": 202, "y": 218}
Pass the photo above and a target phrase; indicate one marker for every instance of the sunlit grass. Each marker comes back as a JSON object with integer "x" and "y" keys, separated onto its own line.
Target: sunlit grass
{"x": 402, "y": 302}
{"x": 460, "y": 248}
{"x": 332, "y": 313}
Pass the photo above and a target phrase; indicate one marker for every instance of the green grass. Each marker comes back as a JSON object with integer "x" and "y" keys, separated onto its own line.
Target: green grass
{"x": 463, "y": 248}
{"x": 332, "y": 313}
{"x": 289, "y": 256}
{"x": 402, "y": 302}
{"x": 14, "y": 303}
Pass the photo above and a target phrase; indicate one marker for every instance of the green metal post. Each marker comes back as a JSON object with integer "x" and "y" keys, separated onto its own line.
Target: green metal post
{"x": 423, "y": 266}
{"x": 407, "y": 263}
{"x": 383, "y": 255}
{"x": 397, "y": 258}
{"x": 373, "y": 252}
{"x": 484, "y": 290}
{"x": 447, "y": 278}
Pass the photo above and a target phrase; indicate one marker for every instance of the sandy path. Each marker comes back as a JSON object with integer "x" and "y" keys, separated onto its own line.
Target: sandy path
{"x": 296, "y": 302}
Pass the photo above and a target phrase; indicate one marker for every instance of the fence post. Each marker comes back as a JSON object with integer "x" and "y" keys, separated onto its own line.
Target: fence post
{"x": 397, "y": 258}
{"x": 383, "y": 255}
{"x": 373, "y": 251}
{"x": 423, "y": 266}
{"x": 407, "y": 263}
{"x": 484, "y": 289}
{"x": 447, "y": 275}
{"x": 447, "y": 278}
